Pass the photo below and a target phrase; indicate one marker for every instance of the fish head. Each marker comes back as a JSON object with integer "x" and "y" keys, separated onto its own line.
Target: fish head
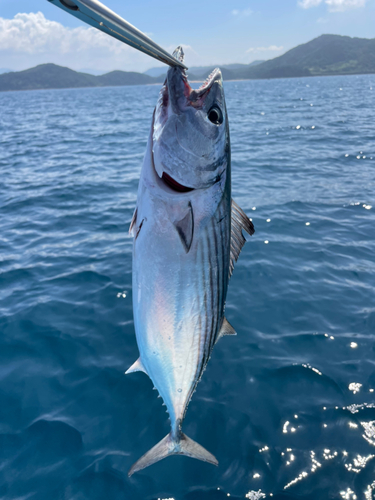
{"x": 191, "y": 148}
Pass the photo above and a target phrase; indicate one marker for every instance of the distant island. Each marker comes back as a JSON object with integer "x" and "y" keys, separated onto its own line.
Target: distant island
{"x": 202, "y": 71}
{"x": 325, "y": 55}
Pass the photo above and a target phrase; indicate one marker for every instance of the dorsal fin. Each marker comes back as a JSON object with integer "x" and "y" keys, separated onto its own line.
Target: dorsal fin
{"x": 136, "y": 367}
{"x": 226, "y": 329}
{"x": 185, "y": 228}
{"x": 239, "y": 221}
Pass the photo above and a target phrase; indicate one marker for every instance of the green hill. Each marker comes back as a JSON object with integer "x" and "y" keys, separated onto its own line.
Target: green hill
{"x": 45, "y": 76}
{"x": 325, "y": 55}
{"x": 51, "y": 76}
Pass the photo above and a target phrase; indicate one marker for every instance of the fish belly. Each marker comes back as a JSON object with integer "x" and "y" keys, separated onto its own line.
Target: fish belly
{"x": 178, "y": 300}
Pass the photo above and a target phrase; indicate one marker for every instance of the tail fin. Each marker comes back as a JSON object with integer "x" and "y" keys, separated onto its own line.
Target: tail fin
{"x": 182, "y": 445}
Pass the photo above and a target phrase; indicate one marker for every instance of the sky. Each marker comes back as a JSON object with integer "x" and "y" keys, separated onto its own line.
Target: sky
{"x": 213, "y": 32}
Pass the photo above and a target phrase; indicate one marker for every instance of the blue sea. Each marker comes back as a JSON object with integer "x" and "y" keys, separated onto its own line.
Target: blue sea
{"x": 287, "y": 406}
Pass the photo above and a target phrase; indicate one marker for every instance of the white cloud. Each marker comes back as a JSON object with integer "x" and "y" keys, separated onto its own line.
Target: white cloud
{"x": 306, "y": 4}
{"x": 341, "y": 5}
{"x": 245, "y": 12}
{"x": 333, "y": 5}
{"x": 31, "y": 39}
{"x": 33, "y": 33}
{"x": 271, "y": 48}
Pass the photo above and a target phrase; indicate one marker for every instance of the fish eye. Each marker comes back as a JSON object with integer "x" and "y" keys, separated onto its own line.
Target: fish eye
{"x": 215, "y": 115}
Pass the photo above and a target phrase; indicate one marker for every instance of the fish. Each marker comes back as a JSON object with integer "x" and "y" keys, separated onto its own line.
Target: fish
{"x": 188, "y": 234}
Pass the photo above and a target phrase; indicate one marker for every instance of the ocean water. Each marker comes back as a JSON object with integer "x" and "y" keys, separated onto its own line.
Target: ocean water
{"x": 287, "y": 406}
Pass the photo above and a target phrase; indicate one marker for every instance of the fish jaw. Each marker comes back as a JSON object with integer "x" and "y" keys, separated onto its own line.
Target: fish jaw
{"x": 177, "y": 86}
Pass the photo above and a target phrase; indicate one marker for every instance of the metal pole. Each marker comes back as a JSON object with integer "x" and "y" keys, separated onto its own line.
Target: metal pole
{"x": 99, "y": 16}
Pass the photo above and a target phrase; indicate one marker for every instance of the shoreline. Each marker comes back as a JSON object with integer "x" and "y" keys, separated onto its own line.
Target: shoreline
{"x": 191, "y": 81}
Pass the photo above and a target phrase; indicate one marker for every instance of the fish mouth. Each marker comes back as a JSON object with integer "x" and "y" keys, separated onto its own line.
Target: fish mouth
{"x": 179, "y": 73}
{"x": 177, "y": 93}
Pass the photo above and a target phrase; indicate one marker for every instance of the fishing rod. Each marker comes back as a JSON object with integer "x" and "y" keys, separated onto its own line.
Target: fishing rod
{"x": 100, "y": 17}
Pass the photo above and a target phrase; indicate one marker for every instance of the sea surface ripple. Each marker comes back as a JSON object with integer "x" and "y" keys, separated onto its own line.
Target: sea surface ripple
{"x": 287, "y": 406}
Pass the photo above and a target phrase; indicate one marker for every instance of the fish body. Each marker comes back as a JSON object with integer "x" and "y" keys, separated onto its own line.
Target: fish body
{"x": 183, "y": 250}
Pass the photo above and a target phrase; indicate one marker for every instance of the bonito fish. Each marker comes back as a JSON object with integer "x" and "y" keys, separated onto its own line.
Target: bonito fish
{"x": 187, "y": 236}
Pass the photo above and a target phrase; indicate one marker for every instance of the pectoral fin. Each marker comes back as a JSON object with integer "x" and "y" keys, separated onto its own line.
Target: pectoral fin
{"x": 226, "y": 329}
{"x": 239, "y": 221}
{"x": 137, "y": 367}
{"x": 133, "y": 222}
{"x": 185, "y": 228}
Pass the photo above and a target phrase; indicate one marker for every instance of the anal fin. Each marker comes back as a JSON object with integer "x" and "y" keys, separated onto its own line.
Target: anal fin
{"x": 136, "y": 367}
{"x": 226, "y": 329}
